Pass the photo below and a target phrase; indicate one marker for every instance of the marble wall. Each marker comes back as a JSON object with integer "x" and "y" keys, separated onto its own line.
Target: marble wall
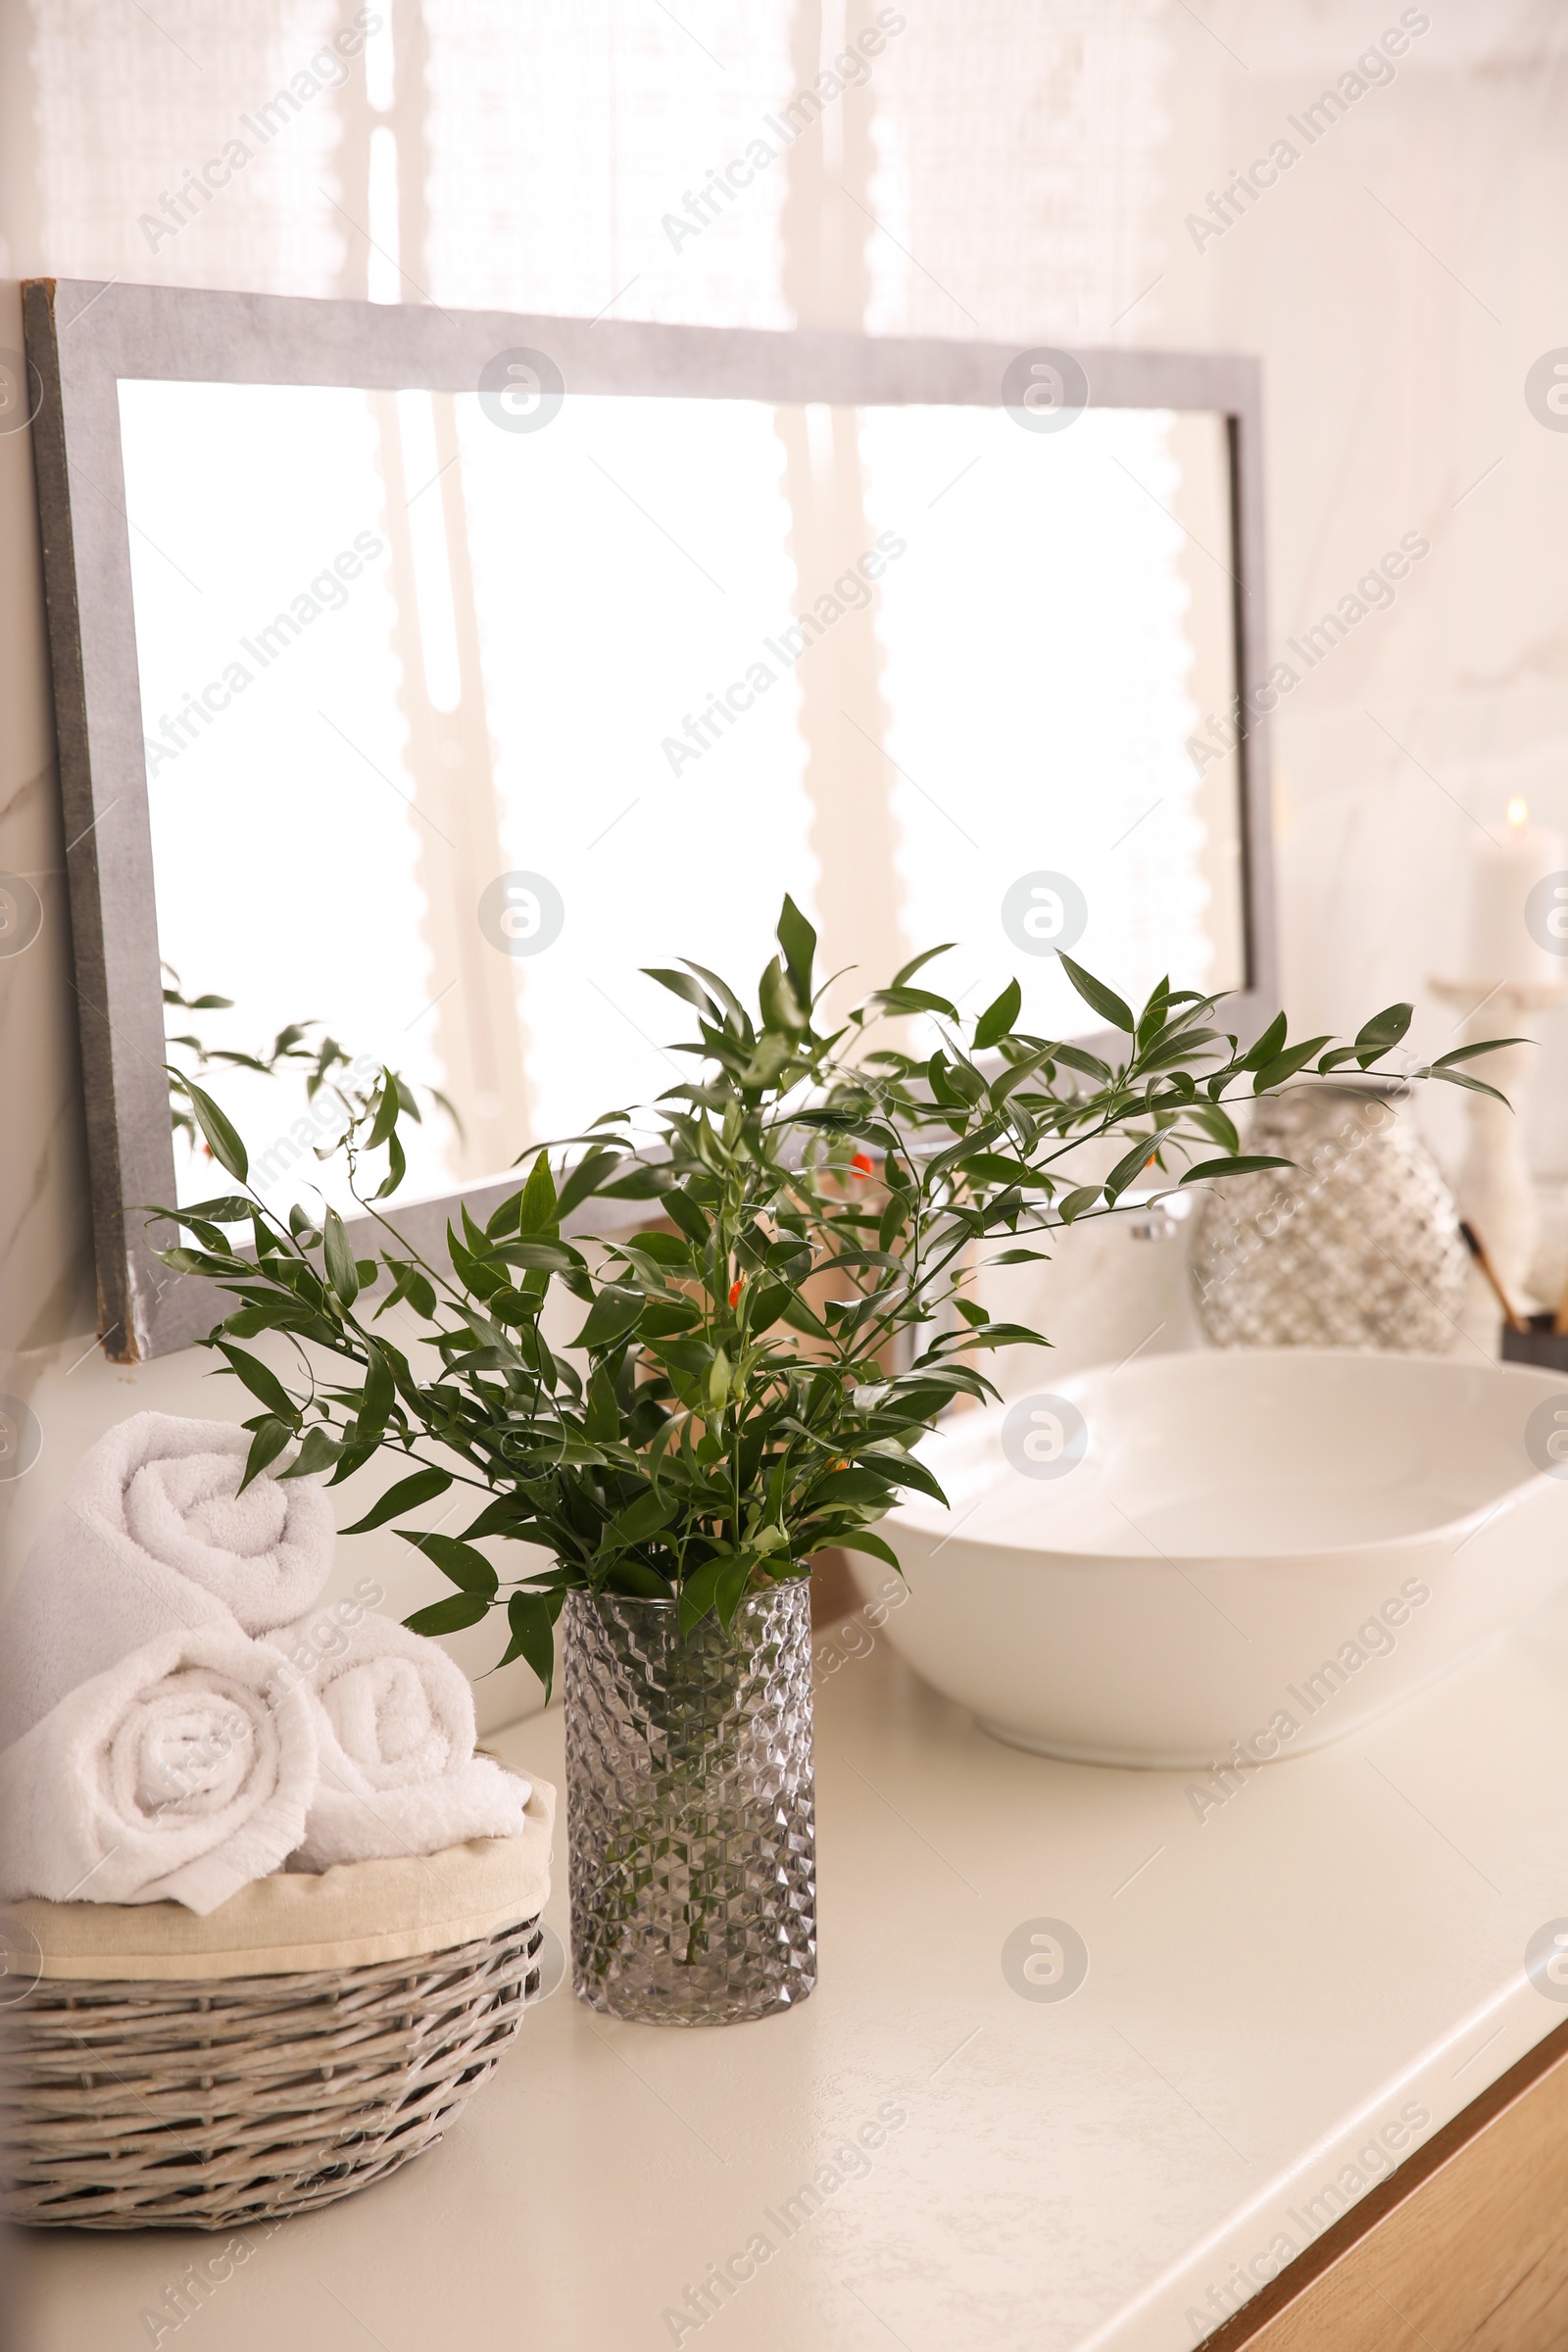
{"x": 1398, "y": 279}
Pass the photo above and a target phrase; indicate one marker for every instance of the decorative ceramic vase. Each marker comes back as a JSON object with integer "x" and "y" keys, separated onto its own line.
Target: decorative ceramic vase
{"x": 689, "y": 1806}
{"x": 1356, "y": 1246}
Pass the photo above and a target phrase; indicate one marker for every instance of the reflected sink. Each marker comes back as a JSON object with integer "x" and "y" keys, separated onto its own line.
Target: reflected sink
{"x": 1242, "y": 1553}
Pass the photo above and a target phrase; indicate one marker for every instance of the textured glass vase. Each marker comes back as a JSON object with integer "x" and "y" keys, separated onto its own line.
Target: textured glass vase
{"x": 689, "y": 1807}
{"x": 1356, "y": 1244}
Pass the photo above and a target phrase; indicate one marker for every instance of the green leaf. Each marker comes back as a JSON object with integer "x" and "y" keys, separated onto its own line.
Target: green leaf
{"x": 613, "y": 1315}
{"x": 664, "y": 1248}
{"x": 341, "y": 1270}
{"x": 397, "y": 1167}
{"x": 406, "y": 1496}
{"x": 689, "y": 1357}
{"x": 506, "y": 1515}
{"x": 411, "y": 1284}
{"x": 721, "y": 990}
{"x": 585, "y": 1178}
{"x": 633, "y": 1576}
{"x": 1476, "y": 1086}
{"x": 269, "y": 1314}
{"x": 603, "y": 1422}
{"x": 664, "y": 1318}
{"x": 913, "y": 1000}
{"x": 1097, "y": 996}
{"x": 990, "y": 1168}
{"x": 386, "y": 1114}
{"x": 997, "y": 1019}
{"x": 261, "y": 1384}
{"x": 733, "y": 1577}
{"x": 798, "y": 940}
{"x": 765, "y": 1306}
{"x": 1004, "y": 1335}
{"x": 503, "y": 1220}
{"x": 532, "y": 1617}
{"x": 539, "y": 1212}
{"x": 683, "y": 1211}
{"x": 1444, "y": 1061}
{"x": 376, "y": 1397}
{"x": 538, "y": 1256}
{"x": 222, "y": 1139}
{"x": 781, "y": 1007}
{"x": 1217, "y": 1125}
{"x": 853, "y": 1487}
{"x": 700, "y": 1589}
{"x": 466, "y": 1568}
{"x": 448, "y": 1616}
{"x": 643, "y": 1184}
{"x": 1284, "y": 1065}
{"x": 1084, "y": 1197}
{"x": 799, "y": 1317}
{"x": 194, "y": 1261}
{"x": 1382, "y": 1031}
{"x": 1131, "y": 1165}
{"x": 1267, "y": 1045}
{"x": 860, "y": 1538}
{"x": 265, "y": 1446}
{"x": 907, "y": 971}
{"x": 1087, "y": 1066}
{"x": 232, "y": 1209}
{"x": 1017, "y": 1074}
{"x": 1241, "y": 1164}
{"x": 318, "y": 1452}
{"x": 906, "y": 1471}
{"x": 680, "y": 984}
{"x": 643, "y": 1518}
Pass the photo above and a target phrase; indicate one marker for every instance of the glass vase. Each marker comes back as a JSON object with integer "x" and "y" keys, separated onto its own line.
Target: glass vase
{"x": 1356, "y": 1244}
{"x": 689, "y": 1807}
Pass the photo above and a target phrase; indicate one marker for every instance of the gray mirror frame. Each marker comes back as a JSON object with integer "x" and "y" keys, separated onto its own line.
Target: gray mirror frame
{"x": 83, "y": 337}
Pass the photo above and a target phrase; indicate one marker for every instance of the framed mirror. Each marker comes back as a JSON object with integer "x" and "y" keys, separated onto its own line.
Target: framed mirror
{"x": 421, "y": 677}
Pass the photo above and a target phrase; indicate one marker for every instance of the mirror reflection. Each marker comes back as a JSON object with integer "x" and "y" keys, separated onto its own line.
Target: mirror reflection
{"x": 459, "y": 711}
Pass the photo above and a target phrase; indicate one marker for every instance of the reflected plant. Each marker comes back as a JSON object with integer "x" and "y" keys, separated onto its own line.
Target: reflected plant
{"x": 306, "y": 1043}
{"x": 748, "y": 1374}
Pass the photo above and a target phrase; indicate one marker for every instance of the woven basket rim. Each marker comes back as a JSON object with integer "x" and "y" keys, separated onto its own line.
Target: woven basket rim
{"x": 357, "y": 1914}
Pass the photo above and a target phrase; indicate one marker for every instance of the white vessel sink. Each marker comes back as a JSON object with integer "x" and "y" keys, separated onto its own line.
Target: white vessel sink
{"x": 1237, "y": 1553}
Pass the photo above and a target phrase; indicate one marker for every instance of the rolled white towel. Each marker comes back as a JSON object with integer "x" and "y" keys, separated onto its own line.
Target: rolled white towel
{"x": 151, "y": 1536}
{"x": 395, "y": 1732}
{"x": 180, "y": 1774}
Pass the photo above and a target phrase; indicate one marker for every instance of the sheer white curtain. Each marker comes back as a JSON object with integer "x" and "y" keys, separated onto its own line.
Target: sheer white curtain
{"x": 1018, "y": 151}
{"x": 1018, "y": 175}
{"x": 561, "y": 141}
{"x": 127, "y": 110}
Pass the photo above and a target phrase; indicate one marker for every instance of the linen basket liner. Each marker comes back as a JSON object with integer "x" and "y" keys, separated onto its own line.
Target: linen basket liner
{"x": 351, "y": 1916}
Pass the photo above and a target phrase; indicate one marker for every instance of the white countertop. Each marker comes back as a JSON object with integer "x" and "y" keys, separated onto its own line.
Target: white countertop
{"x": 1340, "y": 1944}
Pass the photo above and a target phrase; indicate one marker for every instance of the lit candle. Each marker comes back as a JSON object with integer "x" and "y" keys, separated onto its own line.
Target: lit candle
{"x": 1504, "y": 950}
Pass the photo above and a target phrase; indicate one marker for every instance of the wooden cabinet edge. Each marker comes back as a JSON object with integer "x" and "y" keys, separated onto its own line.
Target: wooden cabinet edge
{"x": 1281, "y": 2317}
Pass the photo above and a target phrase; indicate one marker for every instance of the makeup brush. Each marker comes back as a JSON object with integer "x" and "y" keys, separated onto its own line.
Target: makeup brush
{"x": 1478, "y": 1251}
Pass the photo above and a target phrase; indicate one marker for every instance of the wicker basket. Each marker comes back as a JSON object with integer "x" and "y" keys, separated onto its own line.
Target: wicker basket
{"x": 210, "y": 2101}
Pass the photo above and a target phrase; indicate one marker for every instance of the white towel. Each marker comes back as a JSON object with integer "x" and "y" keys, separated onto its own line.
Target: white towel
{"x": 151, "y": 1537}
{"x": 181, "y": 1774}
{"x": 395, "y": 1732}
